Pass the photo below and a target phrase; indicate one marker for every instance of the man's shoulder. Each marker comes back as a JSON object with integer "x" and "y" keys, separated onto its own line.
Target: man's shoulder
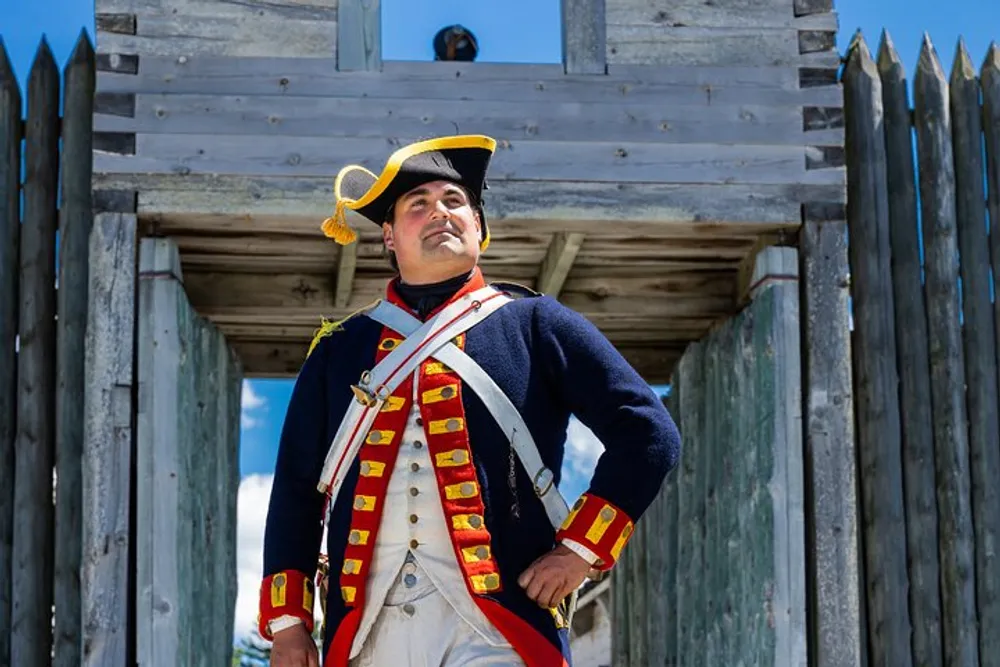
{"x": 334, "y": 328}
{"x": 515, "y": 290}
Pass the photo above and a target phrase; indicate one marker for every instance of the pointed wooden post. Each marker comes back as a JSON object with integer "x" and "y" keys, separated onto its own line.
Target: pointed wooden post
{"x": 951, "y": 439}
{"x": 76, "y": 220}
{"x": 874, "y": 363}
{"x": 914, "y": 373}
{"x": 979, "y": 338}
{"x": 31, "y": 640}
{"x": 989, "y": 79}
{"x": 10, "y": 235}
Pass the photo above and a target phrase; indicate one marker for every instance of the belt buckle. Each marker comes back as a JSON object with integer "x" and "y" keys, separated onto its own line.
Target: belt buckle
{"x": 365, "y": 396}
{"x": 548, "y": 479}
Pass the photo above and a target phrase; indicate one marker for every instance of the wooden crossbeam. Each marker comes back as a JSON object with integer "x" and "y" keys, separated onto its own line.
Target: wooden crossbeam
{"x": 345, "y": 274}
{"x": 558, "y": 261}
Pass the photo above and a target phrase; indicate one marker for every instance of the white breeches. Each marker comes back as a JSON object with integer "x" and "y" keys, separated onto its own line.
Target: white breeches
{"x": 418, "y": 628}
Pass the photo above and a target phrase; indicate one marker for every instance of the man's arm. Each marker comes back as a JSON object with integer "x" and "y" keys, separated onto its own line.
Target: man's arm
{"x": 641, "y": 440}
{"x": 294, "y": 525}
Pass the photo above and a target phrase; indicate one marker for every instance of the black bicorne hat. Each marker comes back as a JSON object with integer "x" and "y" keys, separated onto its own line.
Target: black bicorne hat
{"x": 460, "y": 159}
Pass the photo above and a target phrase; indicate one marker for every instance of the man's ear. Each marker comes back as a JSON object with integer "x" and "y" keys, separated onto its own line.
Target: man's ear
{"x": 387, "y": 236}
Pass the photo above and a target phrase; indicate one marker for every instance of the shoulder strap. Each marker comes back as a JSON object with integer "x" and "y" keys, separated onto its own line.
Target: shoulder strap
{"x": 375, "y": 386}
{"x": 499, "y": 405}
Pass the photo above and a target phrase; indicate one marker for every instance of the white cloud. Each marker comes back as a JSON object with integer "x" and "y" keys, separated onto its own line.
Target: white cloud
{"x": 251, "y": 401}
{"x": 255, "y": 490}
{"x": 582, "y": 448}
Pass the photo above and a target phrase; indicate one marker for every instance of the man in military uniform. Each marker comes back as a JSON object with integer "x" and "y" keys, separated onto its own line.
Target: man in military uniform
{"x": 427, "y": 433}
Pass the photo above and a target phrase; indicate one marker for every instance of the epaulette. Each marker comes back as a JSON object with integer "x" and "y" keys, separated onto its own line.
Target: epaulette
{"x": 327, "y": 327}
{"x": 515, "y": 290}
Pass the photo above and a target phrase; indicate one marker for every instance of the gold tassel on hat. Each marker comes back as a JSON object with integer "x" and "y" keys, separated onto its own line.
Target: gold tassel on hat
{"x": 336, "y": 227}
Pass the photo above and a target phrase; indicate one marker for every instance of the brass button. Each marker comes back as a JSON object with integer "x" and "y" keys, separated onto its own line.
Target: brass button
{"x": 359, "y": 503}
{"x": 420, "y": 421}
{"x": 413, "y": 518}
{"x": 447, "y": 392}
{"x": 414, "y": 544}
{"x": 452, "y": 425}
{"x": 482, "y": 553}
{"x": 355, "y": 537}
{"x": 414, "y": 491}
{"x": 607, "y": 514}
{"x": 460, "y": 456}
{"x": 475, "y": 521}
{"x": 467, "y": 489}
{"x": 365, "y": 467}
{"x": 349, "y": 567}
{"x": 375, "y": 436}
{"x": 417, "y": 444}
{"x": 414, "y": 466}
{"x": 492, "y": 580}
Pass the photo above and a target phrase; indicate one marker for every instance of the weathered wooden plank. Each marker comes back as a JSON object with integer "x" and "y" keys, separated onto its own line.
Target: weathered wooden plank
{"x": 33, "y": 545}
{"x": 778, "y": 268}
{"x": 10, "y": 241}
{"x": 122, "y": 23}
{"x": 695, "y": 46}
{"x": 527, "y": 160}
{"x": 667, "y": 85}
{"x": 584, "y": 36}
{"x": 805, "y": 7}
{"x": 912, "y": 355}
{"x": 227, "y": 565}
{"x": 258, "y": 33}
{"x": 990, "y": 86}
{"x": 158, "y": 438}
{"x": 558, "y": 262}
{"x": 691, "y": 13}
{"x": 716, "y": 443}
{"x": 346, "y": 266}
{"x": 75, "y": 222}
{"x": 979, "y": 338}
{"x": 874, "y": 364}
{"x": 377, "y": 118}
{"x": 619, "y": 613}
{"x": 574, "y": 204}
{"x": 829, "y": 448}
{"x": 637, "y": 580}
{"x": 359, "y": 35}
{"x": 932, "y": 119}
{"x": 315, "y": 9}
{"x": 108, "y": 408}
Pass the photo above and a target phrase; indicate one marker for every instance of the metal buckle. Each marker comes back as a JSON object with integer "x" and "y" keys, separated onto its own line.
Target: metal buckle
{"x": 361, "y": 392}
{"x": 549, "y": 478}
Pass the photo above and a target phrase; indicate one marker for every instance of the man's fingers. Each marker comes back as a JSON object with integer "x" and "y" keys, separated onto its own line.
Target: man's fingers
{"x": 526, "y": 576}
{"x": 313, "y": 658}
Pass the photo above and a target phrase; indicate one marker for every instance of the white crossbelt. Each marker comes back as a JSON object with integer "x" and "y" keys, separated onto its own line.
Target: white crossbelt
{"x": 496, "y": 401}
{"x": 376, "y": 385}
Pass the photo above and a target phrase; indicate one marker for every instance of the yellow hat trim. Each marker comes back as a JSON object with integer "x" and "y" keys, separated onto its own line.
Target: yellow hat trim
{"x": 336, "y": 226}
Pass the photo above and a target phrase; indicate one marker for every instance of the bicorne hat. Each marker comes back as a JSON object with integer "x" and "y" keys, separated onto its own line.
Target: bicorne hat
{"x": 462, "y": 159}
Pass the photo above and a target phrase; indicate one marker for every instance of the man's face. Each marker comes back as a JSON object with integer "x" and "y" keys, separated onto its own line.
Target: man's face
{"x": 435, "y": 232}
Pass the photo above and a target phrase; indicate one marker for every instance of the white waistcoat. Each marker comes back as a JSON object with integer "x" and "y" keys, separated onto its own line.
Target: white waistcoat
{"x": 412, "y": 514}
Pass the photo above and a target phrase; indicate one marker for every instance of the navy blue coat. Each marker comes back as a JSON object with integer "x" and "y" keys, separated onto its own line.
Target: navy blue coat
{"x": 552, "y": 363}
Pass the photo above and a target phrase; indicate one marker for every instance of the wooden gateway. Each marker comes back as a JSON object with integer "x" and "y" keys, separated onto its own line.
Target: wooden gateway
{"x": 686, "y": 178}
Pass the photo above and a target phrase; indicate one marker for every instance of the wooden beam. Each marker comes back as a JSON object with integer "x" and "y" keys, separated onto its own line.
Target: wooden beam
{"x": 584, "y": 37}
{"x": 558, "y": 261}
{"x": 345, "y": 275}
{"x": 359, "y": 35}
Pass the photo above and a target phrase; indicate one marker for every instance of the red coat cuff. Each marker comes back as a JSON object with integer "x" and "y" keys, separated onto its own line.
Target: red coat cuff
{"x": 600, "y": 526}
{"x": 285, "y": 593}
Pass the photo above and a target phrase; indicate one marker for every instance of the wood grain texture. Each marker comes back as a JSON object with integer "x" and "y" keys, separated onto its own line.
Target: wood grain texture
{"x": 913, "y": 364}
{"x": 829, "y": 453}
{"x": 695, "y": 46}
{"x": 10, "y": 270}
{"x": 558, "y": 262}
{"x": 584, "y": 36}
{"x": 107, "y": 451}
{"x": 979, "y": 341}
{"x": 378, "y": 118}
{"x": 346, "y": 266}
{"x": 75, "y": 222}
{"x": 734, "y": 14}
{"x": 523, "y": 160}
{"x": 359, "y": 35}
{"x": 664, "y": 84}
{"x": 932, "y": 119}
{"x": 990, "y": 87}
{"x": 874, "y": 369}
{"x": 33, "y": 545}
{"x": 298, "y": 205}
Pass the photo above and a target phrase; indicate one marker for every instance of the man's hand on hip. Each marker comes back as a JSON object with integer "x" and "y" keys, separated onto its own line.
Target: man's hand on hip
{"x": 554, "y": 576}
{"x": 293, "y": 647}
